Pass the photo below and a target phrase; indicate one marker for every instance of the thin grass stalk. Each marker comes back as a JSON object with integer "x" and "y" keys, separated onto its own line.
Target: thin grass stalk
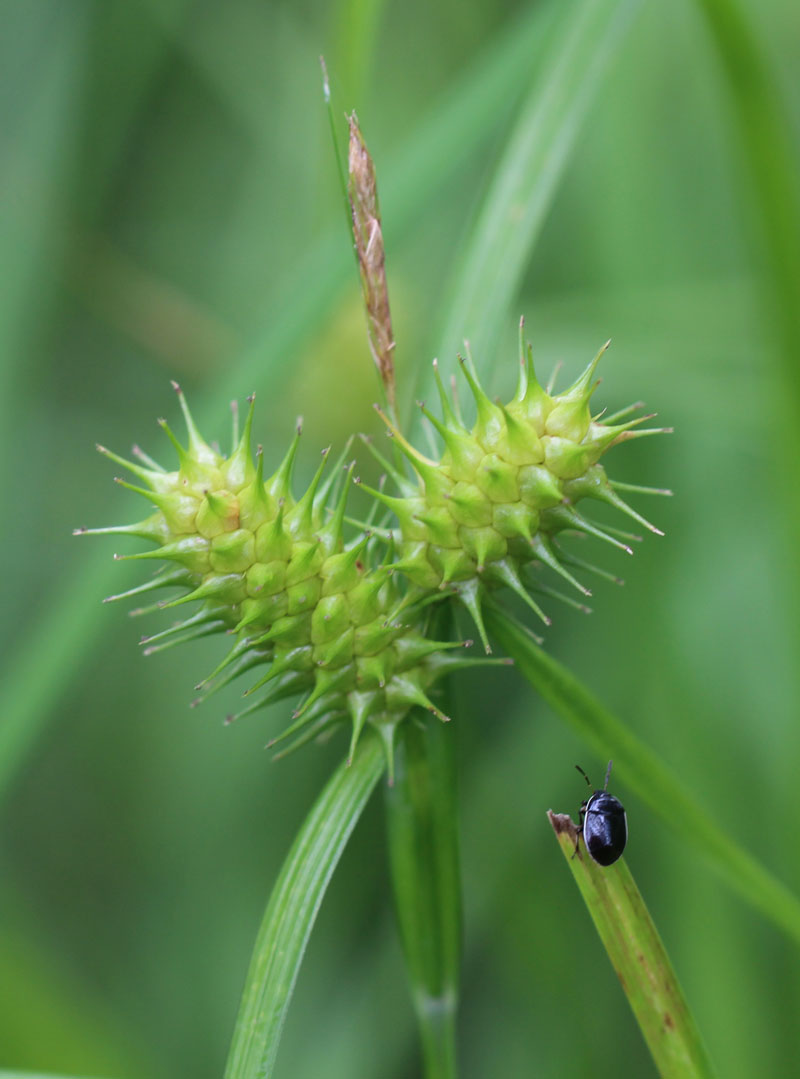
{"x": 587, "y": 38}
{"x": 639, "y": 958}
{"x": 292, "y": 911}
{"x": 422, "y": 833}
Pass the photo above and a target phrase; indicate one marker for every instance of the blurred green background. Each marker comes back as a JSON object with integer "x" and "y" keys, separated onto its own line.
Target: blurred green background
{"x": 170, "y": 209}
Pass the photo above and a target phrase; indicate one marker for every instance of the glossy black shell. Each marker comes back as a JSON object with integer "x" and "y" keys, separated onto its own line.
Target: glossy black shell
{"x": 605, "y": 827}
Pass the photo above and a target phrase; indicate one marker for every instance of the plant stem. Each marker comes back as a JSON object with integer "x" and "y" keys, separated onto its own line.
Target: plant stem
{"x": 423, "y": 853}
{"x": 638, "y": 956}
{"x": 564, "y": 87}
{"x": 292, "y": 911}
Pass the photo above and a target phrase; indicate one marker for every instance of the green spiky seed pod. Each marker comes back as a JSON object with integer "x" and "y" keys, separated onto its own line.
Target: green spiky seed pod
{"x": 310, "y": 611}
{"x": 489, "y": 511}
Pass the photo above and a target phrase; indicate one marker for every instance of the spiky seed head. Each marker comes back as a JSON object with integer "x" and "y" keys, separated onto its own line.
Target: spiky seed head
{"x": 493, "y": 504}
{"x": 309, "y": 606}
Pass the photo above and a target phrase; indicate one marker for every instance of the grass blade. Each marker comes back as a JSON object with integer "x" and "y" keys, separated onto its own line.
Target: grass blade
{"x": 421, "y": 819}
{"x": 644, "y": 773}
{"x": 639, "y": 958}
{"x": 292, "y": 910}
{"x": 532, "y": 165}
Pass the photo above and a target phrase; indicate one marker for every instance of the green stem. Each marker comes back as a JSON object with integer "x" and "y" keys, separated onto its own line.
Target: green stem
{"x": 564, "y": 87}
{"x": 638, "y": 956}
{"x": 292, "y": 910}
{"x": 421, "y": 819}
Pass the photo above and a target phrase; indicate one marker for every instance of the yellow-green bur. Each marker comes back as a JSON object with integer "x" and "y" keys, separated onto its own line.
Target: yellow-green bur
{"x": 638, "y": 956}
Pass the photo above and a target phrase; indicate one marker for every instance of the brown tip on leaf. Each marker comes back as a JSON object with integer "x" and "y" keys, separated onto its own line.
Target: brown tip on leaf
{"x": 175, "y": 386}
{"x": 468, "y": 643}
{"x": 326, "y": 86}
{"x": 562, "y": 824}
{"x": 79, "y": 531}
{"x": 521, "y": 321}
{"x": 298, "y": 424}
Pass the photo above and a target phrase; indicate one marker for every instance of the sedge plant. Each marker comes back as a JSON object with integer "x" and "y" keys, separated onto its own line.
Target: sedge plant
{"x": 343, "y": 617}
{"x": 350, "y": 620}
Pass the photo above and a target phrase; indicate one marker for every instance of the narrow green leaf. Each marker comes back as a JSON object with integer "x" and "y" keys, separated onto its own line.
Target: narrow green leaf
{"x": 639, "y": 958}
{"x": 644, "y": 773}
{"x": 292, "y": 910}
{"x": 587, "y": 37}
{"x": 421, "y": 819}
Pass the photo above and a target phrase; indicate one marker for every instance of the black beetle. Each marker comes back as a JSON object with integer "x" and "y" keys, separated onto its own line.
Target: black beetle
{"x": 603, "y": 824}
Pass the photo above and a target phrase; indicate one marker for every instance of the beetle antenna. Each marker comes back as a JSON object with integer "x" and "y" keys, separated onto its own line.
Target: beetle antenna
{"x": 588, "y": 782}
{"x": 608, "y": 773}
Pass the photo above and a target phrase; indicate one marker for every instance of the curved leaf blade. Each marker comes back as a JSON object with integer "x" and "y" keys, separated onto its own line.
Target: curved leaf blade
{"x": 639, "y": 958}
{"x": 292, "y": 911}
{"x": 644, "y": 773}
{"x": 527, "y": 177}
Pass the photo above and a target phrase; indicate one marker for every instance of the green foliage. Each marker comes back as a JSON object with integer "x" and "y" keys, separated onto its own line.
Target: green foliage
{"x": 292, "y": 910}
{"x": 171, "y": 211}
{"x": 638, "y": 956}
